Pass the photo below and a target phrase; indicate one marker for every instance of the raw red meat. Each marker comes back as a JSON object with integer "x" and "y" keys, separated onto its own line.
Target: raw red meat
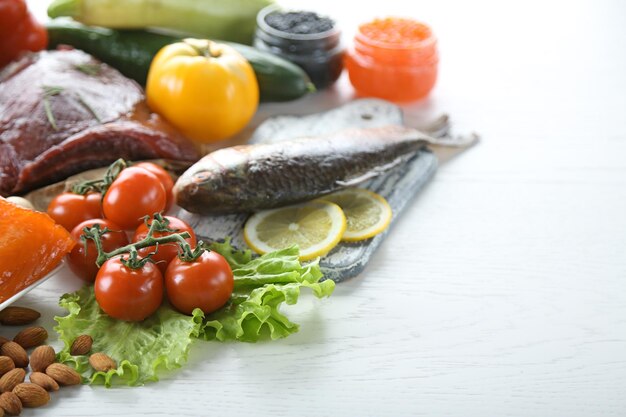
{"x": 63, "y": 112}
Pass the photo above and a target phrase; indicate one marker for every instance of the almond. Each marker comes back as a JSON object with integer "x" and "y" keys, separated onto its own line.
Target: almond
{"x": 41, "y": 358}
{"x": 31, "y": 395}
{"x": 18, "y": 316}
{"x": 102, "y": 362}
{"x": 82, "y": 345}
{"x": 3, "y": 340}
{"x": 10, "y": 403}
{"x": 63, "y": 374}
{"x": 31, "y": 337}
{"x": 16, "y": 353}
{"x": 11, "y": 379}
{"x": 6, "y": 365}
{"x": 44, "y": 381}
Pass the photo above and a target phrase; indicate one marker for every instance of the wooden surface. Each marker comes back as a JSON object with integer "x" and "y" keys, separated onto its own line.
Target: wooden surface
{"x": 501, "y": 290}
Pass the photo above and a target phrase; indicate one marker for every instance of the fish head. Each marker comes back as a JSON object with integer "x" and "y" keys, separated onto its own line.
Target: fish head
{"x": 212, "y": 181}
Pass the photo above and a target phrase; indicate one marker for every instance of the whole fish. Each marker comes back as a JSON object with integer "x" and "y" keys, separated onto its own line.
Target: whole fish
{"x": 253, "y": 177}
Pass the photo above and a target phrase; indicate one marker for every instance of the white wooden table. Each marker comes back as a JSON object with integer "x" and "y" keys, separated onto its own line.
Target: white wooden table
{"x": 502, "y": 290}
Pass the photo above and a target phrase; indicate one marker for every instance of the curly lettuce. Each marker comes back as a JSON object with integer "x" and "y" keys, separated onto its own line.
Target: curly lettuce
{"x": 161, "y": 342}
{"x": 141, "y": 348}
{"x": 261, "y": 286}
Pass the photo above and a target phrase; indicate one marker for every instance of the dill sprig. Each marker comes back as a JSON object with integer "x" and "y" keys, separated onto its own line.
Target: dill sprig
{"x": 89, "y": 69}
{"x": 86, "y": 105}
{"x": 50, "y": 91}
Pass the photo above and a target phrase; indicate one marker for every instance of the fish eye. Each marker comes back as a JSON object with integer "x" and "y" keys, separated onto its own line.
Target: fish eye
{"x": 199, "y": 177}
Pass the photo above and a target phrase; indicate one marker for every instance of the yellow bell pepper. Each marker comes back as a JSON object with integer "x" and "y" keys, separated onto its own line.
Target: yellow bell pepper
{"x": 206, "y": 89}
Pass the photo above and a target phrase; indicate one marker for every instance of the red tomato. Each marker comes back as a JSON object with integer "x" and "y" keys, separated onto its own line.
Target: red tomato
{"x": 69, "y": 209}
{"x": 205, "y": 283}
{"x": 134, "y": 194}
{"x": 11, "y": 13}
{"x": 128, "y": 294}
{"x": 83, "y": 263}
{"x": 20, "y": 35}
{"x": 36, "y": 35}
{"x": 168, "y": 251}
{"x": 164, "y": 176}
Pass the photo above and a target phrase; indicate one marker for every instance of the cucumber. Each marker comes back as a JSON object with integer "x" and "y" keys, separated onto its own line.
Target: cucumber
{"x": 230, "y": 20}
{"x": 131, "y": 52}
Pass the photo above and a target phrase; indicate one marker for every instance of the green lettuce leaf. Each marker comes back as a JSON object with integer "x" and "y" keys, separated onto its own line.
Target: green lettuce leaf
{"x": 140, "y": 348}
{"x": 162, "y": 341}
{"x": 261, "y": 286}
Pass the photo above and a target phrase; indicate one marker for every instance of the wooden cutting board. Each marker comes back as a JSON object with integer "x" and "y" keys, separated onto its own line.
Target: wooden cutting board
{"x": 398, "y": 186}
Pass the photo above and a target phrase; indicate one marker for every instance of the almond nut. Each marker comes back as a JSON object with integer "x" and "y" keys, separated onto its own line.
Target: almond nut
{"x": 63, "y": 374}
{"x": 16, "y": 353}
{"x": 10, "y": 403}
{"x": 102, "y": 362}
{"x": 31, "y": 337}
{"x": 6, "y": 365}
{"x": 3, "y": 340}
{"x": 44, "y": 381}
{"x": 11, "y": 379}
{"x": 41, "y": 358}
{"x": 82, "y": 345}
{"x": 31, "y": 395}
{"x": 18, "y": 316}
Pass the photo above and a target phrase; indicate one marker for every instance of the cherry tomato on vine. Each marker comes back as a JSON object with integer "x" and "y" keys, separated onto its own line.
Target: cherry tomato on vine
{"x": 128, "y": 294}
{"x": 168, "y": 251}
{"x": 134, "y": 194}
{"x": 69, "y": 209}
{"x": 82, "y": 263}
{"x": 163, "y": 176}
{"x": 205, "y": 283}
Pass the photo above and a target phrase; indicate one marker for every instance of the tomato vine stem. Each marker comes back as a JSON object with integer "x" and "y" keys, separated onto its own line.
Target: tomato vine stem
{"x": 159, "y": 224}
{"x": 101, "y": 185}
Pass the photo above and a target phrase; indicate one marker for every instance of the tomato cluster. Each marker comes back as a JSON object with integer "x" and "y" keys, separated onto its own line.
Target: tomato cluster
{"x": 134, "y": 291}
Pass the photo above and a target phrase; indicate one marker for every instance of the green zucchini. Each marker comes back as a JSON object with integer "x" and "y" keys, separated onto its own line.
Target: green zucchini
{"x": 230, "y": 20}
{"x": 131, "y": 52}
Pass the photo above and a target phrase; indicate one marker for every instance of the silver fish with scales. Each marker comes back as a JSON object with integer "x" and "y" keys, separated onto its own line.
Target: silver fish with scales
{"x": 247, "y": 178}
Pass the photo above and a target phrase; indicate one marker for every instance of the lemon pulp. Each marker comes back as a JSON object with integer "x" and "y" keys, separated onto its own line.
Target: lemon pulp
{"x": 316, "y": 227}
{"x": 367, "y": 213}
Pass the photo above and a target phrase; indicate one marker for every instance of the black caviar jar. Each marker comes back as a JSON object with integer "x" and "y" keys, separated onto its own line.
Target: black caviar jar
{"x": 319, "y": 54}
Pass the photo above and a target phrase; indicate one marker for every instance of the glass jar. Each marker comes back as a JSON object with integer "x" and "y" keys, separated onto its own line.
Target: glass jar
{"x": 394, "y": 59}
{"x": 320, "y": 55}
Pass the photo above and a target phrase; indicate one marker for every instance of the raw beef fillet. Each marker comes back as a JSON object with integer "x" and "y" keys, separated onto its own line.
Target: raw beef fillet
{"x": 63, "y": 112}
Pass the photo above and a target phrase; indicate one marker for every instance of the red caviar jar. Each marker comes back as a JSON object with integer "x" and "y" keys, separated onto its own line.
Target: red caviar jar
{"x": 394, "y": 59}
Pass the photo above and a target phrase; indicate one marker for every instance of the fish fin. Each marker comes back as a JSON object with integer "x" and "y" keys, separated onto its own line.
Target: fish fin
{"x": 374, "y": 172}
{"x": 438, "y": 132}
{"x": 456, "y": 141}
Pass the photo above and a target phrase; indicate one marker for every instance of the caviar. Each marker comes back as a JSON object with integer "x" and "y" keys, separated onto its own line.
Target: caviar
{"x": 397, "y": 31}
{"x": 393, "y": 58}
{"x": 308, "y": 40}
{"x": 300, "y": 23}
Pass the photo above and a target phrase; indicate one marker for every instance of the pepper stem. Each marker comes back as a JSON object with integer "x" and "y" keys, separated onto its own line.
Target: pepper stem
{"x": 203, "y": 47}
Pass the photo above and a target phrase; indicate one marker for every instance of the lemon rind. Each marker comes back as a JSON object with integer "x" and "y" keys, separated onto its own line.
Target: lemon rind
{"x": 374, "y": 230}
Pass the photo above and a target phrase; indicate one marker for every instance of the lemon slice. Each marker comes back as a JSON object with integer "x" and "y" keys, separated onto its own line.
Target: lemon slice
{"x": 367, "y": 213}
{"x": 316, "y": 227}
